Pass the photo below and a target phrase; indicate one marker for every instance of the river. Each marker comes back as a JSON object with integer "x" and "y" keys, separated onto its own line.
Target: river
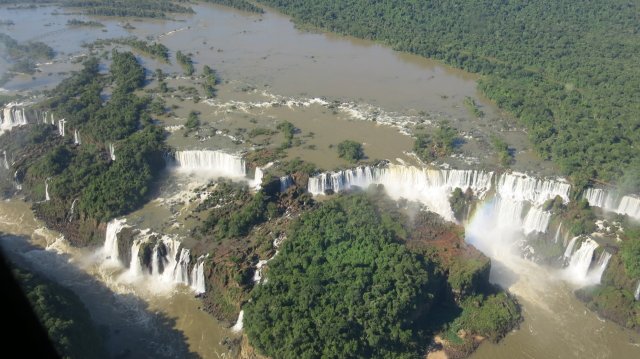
{"x": 272, "y": 58}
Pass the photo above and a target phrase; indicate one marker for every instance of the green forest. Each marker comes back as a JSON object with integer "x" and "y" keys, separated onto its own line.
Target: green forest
{"x": 102, "y": 187}
{"x": 568, "y": 70}
{"x": 346, "y": 284}
{"x": 63, "y": 315}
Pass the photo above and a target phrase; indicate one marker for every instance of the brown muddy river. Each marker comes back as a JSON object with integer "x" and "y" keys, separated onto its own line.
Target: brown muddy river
{"x": 263, "y": 60}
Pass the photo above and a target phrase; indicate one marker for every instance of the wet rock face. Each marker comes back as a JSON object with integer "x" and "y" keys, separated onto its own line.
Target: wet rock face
{"x": 125, "y": 240}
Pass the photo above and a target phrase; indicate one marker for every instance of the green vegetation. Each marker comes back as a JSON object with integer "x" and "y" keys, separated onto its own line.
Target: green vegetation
{"x": 63, "y": 315}
{"x": 630, "y": 252}
{"x": 22, "y": 56}
{"x": 186, "y": 63}
{"x": 614, "y": 297}
{"x": 78, "y": 22}
{"x": 342, "y": 286}
{"x": 138, "y": 8}
{"x": 440, "y": 144}
{"x": 31, "y": 50}
{"x": 210, "y": 81}
{"x": 345, "y": 284}
{"x": 239, "y": 4}
{"x": 461, "y": 202}
{"x": 505, "y": 155}
{"x": 192, "y": 121}
{"x": 104, "y": 188}
{"x": 568, "y": 72}
{"x": 155, "y": 49}
{"x": 288, "y": 130}
{"x": 350, "y": 150}
{"x": 473, "y": 107}
{"x": 236, "y": 220}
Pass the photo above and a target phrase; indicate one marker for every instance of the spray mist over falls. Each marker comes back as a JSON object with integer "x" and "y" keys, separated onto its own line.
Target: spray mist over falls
{"x": 208, "y": 162}
{"x": 509, "y": 209}
{"x": 613, "y": 202}
{"x": 157, "y": 260}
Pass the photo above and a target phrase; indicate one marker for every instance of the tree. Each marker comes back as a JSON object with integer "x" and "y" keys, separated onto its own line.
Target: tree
{"x": 350, "y": 150}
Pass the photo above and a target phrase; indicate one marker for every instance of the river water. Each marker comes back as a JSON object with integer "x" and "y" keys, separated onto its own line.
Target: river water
{"x": 273, "y": 59}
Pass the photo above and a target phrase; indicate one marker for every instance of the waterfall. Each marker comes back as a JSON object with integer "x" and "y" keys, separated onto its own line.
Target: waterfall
{"x": 238, "y": 326}
{"x": 429, "y": 186}
{"x": 578, "y": 269}
{"x": 536, "y": 220}
{"x": 6, "y": 163}
{"x": 558, "y": 231}
{"x": 596, "y": 273}
{"x": 61, "y": 127}
{"x": 257, "y": 179}
{"x": 135, "y": 268}
{"x": 12, "y": 116}
{"x": 637, "y": 294}
{"x": 197, "y": 276}
{"x": 73, "y": 207}
{"x": 520, "y": 187}
{"x": 629, "y": 206}
{"x": 46, "y": 190}
{"x": 112, "y": 152}
{"x": 257, "y": 275}
{"x": 110, "y": 248}
{"x": 210, "y": 162}
{"x": 285, "y": 183}
{"x": 76, "y": 137}
{"x": 610, "y": 201}
{"x": 569, "y": 250}
{"x": 181, "y": 269}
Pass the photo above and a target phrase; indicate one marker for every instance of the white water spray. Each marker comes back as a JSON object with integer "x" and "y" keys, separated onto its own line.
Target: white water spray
{"x": 210, "y": 163}
{"x": 46, "y": 190}
{"x": 110, "y": 248}
{"x": 238, "y": 326}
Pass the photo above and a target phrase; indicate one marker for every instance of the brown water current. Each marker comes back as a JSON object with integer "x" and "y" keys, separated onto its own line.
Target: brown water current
{"x": 331, "y": 88}
{"x": 136, "y": 319}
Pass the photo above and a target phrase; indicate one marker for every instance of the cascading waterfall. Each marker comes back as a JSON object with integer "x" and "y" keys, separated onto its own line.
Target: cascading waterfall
{"x": 181, "y": 269}
{"x": 197, "y": 276}
{"x": 521, "y": 187}
{"x": 135, "y": 267}
{"x": 110, "y": 248}
{"x": 257, "y": 179}
{"x": 46, "y": 190}
{"x": 596, "y": 273}
{"x": 112, "y": 152}
{"x": 6, "y": 163}
{"x": 569, "y": 250}
{"x": 612, "y": 202}
{"x": 536, "y": 220}
{"x": 579, "y": 270}
{"x": 12, "y": 116}
{"x": 285, "y": 183}
{"x": 431, "y": 187}
{"x": 210, "y": 162}
{"x": 72, "y": 210}
{"x": 629, "y": 206}
{"x": 239, "y": 325}
{"x": 61, "y": 127}
{"x": 76, "y": 137}
{"x": 166, "y": 265}
{"x": 637, "y": 294}
{"x": 558, "y": 231}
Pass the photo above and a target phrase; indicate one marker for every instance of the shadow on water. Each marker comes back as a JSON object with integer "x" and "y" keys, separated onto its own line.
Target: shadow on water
{"x": 129, "y": 328}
